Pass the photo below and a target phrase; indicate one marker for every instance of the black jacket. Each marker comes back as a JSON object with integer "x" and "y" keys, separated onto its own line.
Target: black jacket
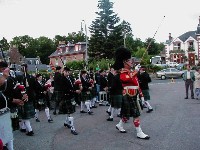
{"x": 58, "y": 82}
{"x": 144, "y": 79}
{"x": 68, "y": 87}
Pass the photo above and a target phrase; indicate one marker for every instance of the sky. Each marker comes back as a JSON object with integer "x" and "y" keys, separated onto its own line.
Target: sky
{"x": 148, "y": 18}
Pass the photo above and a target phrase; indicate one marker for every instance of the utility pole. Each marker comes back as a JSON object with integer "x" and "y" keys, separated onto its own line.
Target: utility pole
{"x": 86, "y": 45}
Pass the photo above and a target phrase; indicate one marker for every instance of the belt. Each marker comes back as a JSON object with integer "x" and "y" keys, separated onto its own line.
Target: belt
{"x": 131, "y": 87}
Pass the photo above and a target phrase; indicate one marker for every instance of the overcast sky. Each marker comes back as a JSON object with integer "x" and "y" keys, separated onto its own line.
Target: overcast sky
{"x": 59, "y": 17}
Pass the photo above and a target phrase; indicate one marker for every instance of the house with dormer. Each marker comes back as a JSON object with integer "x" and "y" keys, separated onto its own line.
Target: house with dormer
{"x": 185, "y": 48}
{"x": 67, "y": 53}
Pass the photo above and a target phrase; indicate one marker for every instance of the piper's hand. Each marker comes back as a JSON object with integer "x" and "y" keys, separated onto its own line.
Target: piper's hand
{"x": 45, "y": 92}
{"x": 90, "y": 88}
{"x": 78, "y": 91}
{"x": 25, "y": 98}
{"x": 18, "y": 102}
{"x": 142, "y": 98}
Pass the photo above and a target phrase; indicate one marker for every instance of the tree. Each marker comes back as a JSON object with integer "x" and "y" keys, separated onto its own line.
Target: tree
{"x": 4, "y": 44}
{"x": 142, "y": 53}
{"x": 45, "y": 47}
{"x": 106, "y": 31}
{"x": 154, "y": 48}
{"x": 25, "y": 45}
{"x": 72, "y": 38}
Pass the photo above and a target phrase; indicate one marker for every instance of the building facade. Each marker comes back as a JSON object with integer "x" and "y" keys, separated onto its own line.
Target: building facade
{"x": 67, "y": 53}
{"x": 185, "y": 48}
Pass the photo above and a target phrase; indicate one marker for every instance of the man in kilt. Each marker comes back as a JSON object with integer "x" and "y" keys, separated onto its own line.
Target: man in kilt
{"x": 58, "y": 93}
{"x": 129, "y": 80}
{"x": 115, "y": 93}
{"x": 86, "y": 93}
{"x": 41, "y": 98}
{"x": 69, "y": 99}
{"x": 144, "y": 80}
{"x": 26, "y": 112}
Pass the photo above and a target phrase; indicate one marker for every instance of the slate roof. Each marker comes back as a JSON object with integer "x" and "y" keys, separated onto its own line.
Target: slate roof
{"x": 186, "y": 35}
{"x": 69, "y": 50}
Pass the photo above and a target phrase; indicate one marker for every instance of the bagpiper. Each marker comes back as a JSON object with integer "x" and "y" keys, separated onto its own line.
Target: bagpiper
{"x": 69, "y": 99}
{"x": 130, "y": 104}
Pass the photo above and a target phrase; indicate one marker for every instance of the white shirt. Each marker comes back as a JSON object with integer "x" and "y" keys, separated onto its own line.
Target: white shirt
{"x": 188, "y": 75}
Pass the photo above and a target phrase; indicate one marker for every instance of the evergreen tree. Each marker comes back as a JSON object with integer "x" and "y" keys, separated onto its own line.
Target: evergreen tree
{"x": 107, "y": 33}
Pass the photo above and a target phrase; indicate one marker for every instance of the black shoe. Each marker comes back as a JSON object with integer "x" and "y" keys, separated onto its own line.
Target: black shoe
{"x": 149, "y": 110}
{"x": 146, "y": 138}
{"x": 109, "y": 113}
{"x": 110, "y": 119}
{"x": 23, "y": 130}
{"x": 30, "y": 133}
{"x": 90, "y": 112}
{"x": 74, "y": 132}
{"x": 197, "y": 99}
{"x": 118, "y": 115}
{"x": 37, "y": 120}
{"x": 94, "y": 106}
{"x": 101, "y": 104}
{"x": 67, "y": 125}
{"x": 54, "y": 113}
{"x": 186, "y": 97}
{"x": 82, "y": 111}
{"x": 192, "y": 97}
{"x": 50, "y": 120}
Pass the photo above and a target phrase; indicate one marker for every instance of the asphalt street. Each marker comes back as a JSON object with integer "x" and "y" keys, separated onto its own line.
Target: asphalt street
{"x": 173, "y": 125}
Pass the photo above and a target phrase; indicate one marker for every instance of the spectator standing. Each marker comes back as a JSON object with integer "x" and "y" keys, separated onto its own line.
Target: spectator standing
{"x": 189, "y": 78}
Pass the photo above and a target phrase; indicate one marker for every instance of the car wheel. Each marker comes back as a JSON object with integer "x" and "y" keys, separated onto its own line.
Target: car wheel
{"x": 163, "y": 77}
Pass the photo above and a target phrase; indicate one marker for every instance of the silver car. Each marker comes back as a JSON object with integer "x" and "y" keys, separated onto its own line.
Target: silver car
{"x": 169, "y": 73}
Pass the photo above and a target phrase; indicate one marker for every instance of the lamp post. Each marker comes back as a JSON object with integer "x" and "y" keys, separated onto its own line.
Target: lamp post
{"x": 124, "y": 39}
{"x": 86, "y": 46}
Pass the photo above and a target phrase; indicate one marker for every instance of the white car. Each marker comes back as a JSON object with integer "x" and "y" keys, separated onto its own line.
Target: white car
{"x": 169, "y": 73}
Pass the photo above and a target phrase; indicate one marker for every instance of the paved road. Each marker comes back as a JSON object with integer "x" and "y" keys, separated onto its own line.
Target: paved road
{"x": 173, "y": 125}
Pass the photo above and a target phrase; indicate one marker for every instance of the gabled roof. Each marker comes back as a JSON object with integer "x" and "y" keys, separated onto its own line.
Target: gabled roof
{"x": 186, "y": 35}
{"x": 69, "y": 50}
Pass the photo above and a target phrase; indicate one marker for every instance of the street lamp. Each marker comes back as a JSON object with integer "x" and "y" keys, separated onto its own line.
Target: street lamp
{"x": 124, "y": 39}
{"x": 86, "y": 46}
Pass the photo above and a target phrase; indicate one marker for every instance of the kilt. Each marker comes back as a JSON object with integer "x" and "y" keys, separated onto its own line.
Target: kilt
{"x": 68, "y": 107}
{"x": 116, "y": 101}
{"x": 86, "y": 96}
{"x": 93, "y": 92}
{"x": 130, "y": 107}
{"x": 57, "y": 96}
{"x": 26, "y": 111}
{"x": 146, "y": 94}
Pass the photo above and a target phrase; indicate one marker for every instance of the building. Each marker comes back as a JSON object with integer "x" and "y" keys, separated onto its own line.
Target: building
{"x": 67, "y": 53}
{"x": 15, "y": 60}
{"x": 185, "y": 48}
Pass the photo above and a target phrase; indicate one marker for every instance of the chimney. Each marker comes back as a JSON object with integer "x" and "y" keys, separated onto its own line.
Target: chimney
{"x": 170, "y": 37}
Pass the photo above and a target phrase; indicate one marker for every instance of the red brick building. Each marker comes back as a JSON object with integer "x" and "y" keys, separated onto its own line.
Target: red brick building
{"x": 67, "y": 53}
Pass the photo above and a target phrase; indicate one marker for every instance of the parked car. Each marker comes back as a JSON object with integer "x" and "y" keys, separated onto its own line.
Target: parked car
{"x": 169, "y": 73}
{"x": 173, "y": 64}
